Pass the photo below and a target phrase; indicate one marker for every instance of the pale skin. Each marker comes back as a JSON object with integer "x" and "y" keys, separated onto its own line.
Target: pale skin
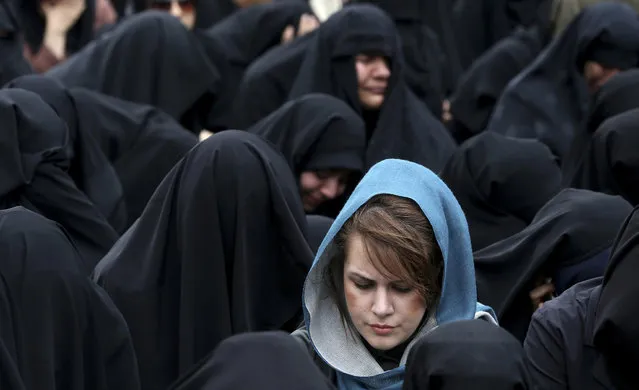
{"x": 373, "y": 74}
{"x": 60, "y": 15}
{"x": 317, "y": 187}
{"x": 385, "y": 312}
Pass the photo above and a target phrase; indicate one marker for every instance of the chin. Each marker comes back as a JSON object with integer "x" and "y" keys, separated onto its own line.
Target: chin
{"x": 382, "y": 343}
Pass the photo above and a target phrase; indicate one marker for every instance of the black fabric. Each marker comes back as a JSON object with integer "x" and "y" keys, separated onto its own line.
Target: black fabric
{"x": 89, "y": 168}
{"x": 12, "y": 62}
{"x": 559, "y": 345}
{"x": 210, "y": 12}
{"x": 33, "y": 173}
{"x": 615, "y": 328}
{"x": 405, "y": 128}
{"x": 318, "y": 226}
{"x": 501, "y": 183}
{"x": 573, "y": 227}
{"x": 480, "y": 24}
{"x": 316, "y": 132}
{"x": 121, "y": 150}
{"x": 238, "y": 41}
{"x": 616, "y": 96}
{"x": 268, "y": 360}
{"x": 482, "y": 84}
{"x": 220, "y": 249}
{"x": 268, "y": 81}
{"x": 34, "y": 23}
{"x": 423, "y": 54}
{"x": 610, "y": 163}
{"x": 471, "y": 354}
{"x": 549, "y": 99}
{"x": 150, "y": 58}
{"x": 62, "y": 330}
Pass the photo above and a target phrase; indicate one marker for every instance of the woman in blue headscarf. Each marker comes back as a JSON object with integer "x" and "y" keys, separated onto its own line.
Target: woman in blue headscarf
{"x": 396, "y": 263}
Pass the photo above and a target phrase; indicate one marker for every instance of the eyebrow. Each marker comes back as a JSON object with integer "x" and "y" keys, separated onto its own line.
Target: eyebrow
{"x": 367, "y": 278}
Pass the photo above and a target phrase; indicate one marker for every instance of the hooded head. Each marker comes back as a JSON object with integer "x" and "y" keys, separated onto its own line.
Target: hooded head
{"x": 615, "y": 333}
{"x": 467, "y": 355}
{"x": 456, "y": 298}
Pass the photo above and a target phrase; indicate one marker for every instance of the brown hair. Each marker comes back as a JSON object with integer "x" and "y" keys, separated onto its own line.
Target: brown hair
{"x": 399, "y": 241}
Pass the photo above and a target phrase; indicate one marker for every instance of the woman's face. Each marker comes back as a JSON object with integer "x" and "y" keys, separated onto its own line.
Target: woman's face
{"x": 181, "y": 9}
{"x": 317, "y": 187}
{"x": 372, "y": 79}
{"x": 385, "y": 312}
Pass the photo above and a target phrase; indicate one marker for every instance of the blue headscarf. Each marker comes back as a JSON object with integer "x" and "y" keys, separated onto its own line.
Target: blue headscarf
{"x": 355, "y": 366}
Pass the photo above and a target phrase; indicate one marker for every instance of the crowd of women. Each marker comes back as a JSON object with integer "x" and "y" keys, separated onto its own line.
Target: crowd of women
{"x": 293, "y": 194}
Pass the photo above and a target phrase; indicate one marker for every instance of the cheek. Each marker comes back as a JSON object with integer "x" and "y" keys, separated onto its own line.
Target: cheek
{"x": 361, "y": 73}
{"x": 414, "y": 307}
{"x": 353, "y": 298}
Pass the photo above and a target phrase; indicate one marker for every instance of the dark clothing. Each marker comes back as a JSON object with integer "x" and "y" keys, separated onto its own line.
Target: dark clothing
{"x": 34, "y": 153}
{"x": 574, "y": 227}
{"x": 482, "y": 84}
{"x": 610, "y": 163}
{"x": 12, "y": 62}
{"x": 462, "y": 355}
{"x": 559, "y": 346}
{"x": 420, "y": 45}
{"x": 61, "y": 329}
{"x": 234, "y": 43}
{"x": 120, "y": 150}
{"x": 403, "y": 127}
{"x": 150, "y": 58}
{"x": 268, "y": 81}
{"x": 220, "y": 249}
{"x": 549, "y": 99}
{"x": 616, "y": 96}
{"x": 268, "y": 361}
{"x": 318, "y": 226}
{"x": 501, "y": 183}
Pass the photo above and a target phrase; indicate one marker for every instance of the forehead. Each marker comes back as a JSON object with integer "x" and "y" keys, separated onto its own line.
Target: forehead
{"x": 358, "y": 261}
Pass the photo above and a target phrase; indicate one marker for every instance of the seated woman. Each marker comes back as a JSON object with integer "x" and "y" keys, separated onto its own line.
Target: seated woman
{"x": 324, "y": 143}
{"x": 262, "y": 360}
{"x": 588, "y": 337}
{"x": 396, "y": 263}
{"x": 466, "y": 355}
{"x": 61, "y": 329}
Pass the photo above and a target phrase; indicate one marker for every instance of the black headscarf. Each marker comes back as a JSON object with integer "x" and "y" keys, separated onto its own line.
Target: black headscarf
{"x": 267, "y": 83}
{"x": 267, "y": 361}
{"x": 121, "y": 150}
{"x": 480, "y": 24}
{"x": 615, "y": 331}
{"x": 89, "y": 168}
{"x": 423, "y": 55}
{"x": 220, "y": 249}
{"x": 616, "y": 96}
{"x": 150, "y": 58}
{"x": 549, "y": 99}
{"x": 33, "y": 173}
{"x": 62, "y": 330}
{"x": 239, "y": 40}
{"x": 573, "y": 227}
{"x": 318, "y": 226}
{"x": 34, "y": 23}
{"x": 470, "y": 354}
{"x": 210, "y": 12}
{"x": 610, "y": 163}
{"x": 501, "y": 183}
{"x": 12, "y": 62}
{"x": 404, "y": 127}
{"x": 316, "y": 132}
{"x": 483, "y": 83}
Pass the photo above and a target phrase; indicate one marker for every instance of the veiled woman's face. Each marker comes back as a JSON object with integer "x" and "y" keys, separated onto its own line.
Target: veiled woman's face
{"x": 372, "y": 80}
{"x": 317, "y": 187}
{"x": 181, "y": 9}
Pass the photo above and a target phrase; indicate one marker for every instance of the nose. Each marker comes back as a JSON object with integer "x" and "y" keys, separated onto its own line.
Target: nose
{"x": 381, "y": 70}
{"x": 382, "y": 305}
{"x": 332, "y": 188}
{"x": 176, "y": 10}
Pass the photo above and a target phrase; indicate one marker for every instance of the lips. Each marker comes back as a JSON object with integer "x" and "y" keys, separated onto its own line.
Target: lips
{"x": 382, "y": 330}
{"x": 377, "y": 91}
